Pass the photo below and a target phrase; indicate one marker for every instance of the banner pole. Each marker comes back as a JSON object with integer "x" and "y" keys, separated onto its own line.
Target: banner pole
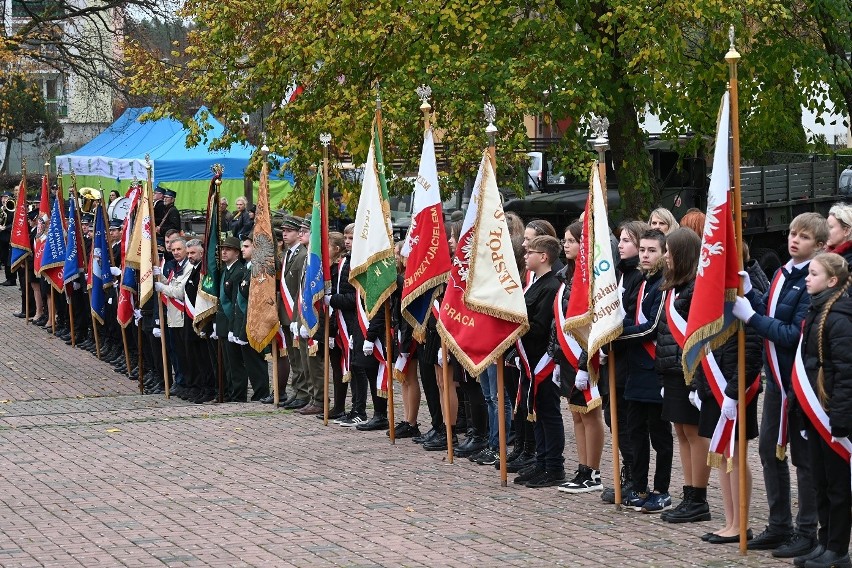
{"x": 155, "y": 257}
{"x": 733, "y": 58}
{"x": 141, "y": 359}
{"x": 389, "y": 370}
{"x": 445, "y": 377}
{"x": 325, "y": 139}
{"x": 501, "y": 401}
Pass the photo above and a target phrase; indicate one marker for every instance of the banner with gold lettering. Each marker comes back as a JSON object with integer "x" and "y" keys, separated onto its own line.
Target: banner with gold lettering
{"x": 483, "y": 311}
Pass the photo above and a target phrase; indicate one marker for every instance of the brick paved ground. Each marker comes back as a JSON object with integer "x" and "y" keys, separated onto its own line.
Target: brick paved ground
{"x": 92, "y": 473}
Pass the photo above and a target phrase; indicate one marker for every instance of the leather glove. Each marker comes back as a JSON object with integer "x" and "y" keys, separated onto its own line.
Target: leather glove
{"x": 331, "y": 343}
{"x": 582, "y": 380}
{"x": 159, "y": 286}
{"x": 440, "y": 356}
{"x": 743, "y": 310}
{"x": 729, "y": 408}
{"x": 303, "y": 332}
{"x": 157, "y": 333}
{"x": 294, "y": 328}
{"x": 115, "y": 271}
{"x": 238, "y": 342}
{"x": 75, "y": 285}
{"x": 694, "y": 399}
{"x": 746, "y": 281}
{"x": 231, "y": 337}
{"x": 157, "y": 271}
{"x": 368, "y": 348}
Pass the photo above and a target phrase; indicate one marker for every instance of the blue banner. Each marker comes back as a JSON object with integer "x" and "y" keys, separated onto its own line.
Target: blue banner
{"x": 99, "y": 277}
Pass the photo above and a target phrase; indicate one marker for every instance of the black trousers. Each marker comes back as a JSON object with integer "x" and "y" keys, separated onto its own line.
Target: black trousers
{"x": 340, "y": 387}
{"x": 380, "y": 404}
{"x": 834, "y": 497}
{"x": 5, "y": 255}
{"x": 549, "y": 429}
{"x": 647, "y": 429}
{"x": 623, "y": 409}
{"x": 429, "y": 382}
{"x": 358, "y": 382}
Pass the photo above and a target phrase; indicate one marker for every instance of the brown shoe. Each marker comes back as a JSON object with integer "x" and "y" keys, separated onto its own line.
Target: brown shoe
{"x": 311, "y": 409}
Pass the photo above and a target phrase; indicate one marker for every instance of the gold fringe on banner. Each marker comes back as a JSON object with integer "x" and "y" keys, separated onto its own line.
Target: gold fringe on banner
{"x": 780, "y": 453}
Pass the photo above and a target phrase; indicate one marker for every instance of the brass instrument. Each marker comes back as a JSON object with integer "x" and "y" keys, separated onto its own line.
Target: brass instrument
{"x": 7, "y": 212}
{"x": 89, "y": 198}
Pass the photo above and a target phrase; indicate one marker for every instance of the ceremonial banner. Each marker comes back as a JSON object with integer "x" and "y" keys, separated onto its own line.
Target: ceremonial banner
{"x": 41, "y": 226}
{"x": 20, "y": 239}
{"x": 317, "y": 275}
{"x": 144, "y": 224}
{"x": 73, "y": 246}
{"x": 128, "y": 286}
{"x": 262, "y": 314}
{"x": 483, "y": 311}
{"x": 373, "y": 266}
{"x": 99, "y": 277}
{"x": 425, "y": 244}
{"x": 53, "y": 246}
{"x": 595, "y": 315}
{"x": 711, "y": 320}
{"x": 208, "y": 293}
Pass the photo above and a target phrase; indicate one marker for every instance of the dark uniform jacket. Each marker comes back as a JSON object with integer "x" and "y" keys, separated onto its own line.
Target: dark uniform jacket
{"x": 228, "y": 289}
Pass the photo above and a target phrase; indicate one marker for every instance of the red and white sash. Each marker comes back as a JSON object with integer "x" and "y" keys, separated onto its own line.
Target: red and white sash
{"x": 403, "y": 360}
{"x": 343, "y": 335}
{"x": 543, "y": 369}
{"x": 383, "y": 376}
{"x": 649, "y": 345}
{"x": 286, "y": 297}
{"x": 772, "y": 359}
{"x": 572, "y": 350}
{"x": 809, "y": 401}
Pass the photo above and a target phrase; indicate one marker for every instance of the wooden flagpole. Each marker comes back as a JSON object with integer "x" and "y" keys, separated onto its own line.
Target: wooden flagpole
{"x": 325, "y": 139}
{"x": 388, "y": 334}
{"x": 445, "y": 377}
{"x": 52, "y": 308}
{"x": 82, "y": 245}
{"x": 733, "y": 58}
{"x": 23, "y": 264}
{"x": 491, "y": 131}
{"x": 112, "y": 263}
{"x": 155, "y": 257}
{"x": 601, "y": 144}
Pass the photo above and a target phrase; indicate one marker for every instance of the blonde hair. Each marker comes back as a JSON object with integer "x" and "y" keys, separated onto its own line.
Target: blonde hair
{"x": 665, "y": 215}
{"x": 813, "y": 223}
{"x": 835, "y": 267}
{"x": 843, "y": 213}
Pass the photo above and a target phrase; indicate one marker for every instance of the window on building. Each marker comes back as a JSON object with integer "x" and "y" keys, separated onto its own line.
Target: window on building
{"x": 28, "y": 8}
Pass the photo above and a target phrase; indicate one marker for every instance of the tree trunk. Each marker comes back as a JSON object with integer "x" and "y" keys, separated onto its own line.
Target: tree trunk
{"x": 630, "y": 159}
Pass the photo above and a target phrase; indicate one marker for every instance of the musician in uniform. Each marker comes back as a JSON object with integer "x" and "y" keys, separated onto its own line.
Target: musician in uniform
{"x": 6, "y": 220}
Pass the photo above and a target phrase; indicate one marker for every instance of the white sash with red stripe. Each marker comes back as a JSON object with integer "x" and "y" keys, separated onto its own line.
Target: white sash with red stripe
{"x": 286, "y": 297}
{"x": 343, "y": 335}
{"x": 772, "y": 359}
{"x": 383, "y": 376}
{"x": 809, "y": 401}
{"x": 543, "y": 369}
{"x": 572, "y": 352}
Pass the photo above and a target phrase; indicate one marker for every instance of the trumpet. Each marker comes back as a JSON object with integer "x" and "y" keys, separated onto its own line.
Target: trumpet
{"x": 7, "y": 211}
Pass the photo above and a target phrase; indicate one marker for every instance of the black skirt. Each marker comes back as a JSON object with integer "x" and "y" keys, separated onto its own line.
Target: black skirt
{"x": 710, "y": 413}
{"x": 676, "y": 406}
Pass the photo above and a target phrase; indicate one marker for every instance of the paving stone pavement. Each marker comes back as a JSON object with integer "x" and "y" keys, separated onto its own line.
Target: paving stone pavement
{"x": 92, "y": 473}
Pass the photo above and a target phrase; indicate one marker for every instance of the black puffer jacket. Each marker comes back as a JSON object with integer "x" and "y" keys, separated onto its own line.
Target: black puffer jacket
{"x": 726, "y": 358}
{"x": 554, "y": 349}
{"x": 837, "y": 361}
{"x": 669, "y": 353}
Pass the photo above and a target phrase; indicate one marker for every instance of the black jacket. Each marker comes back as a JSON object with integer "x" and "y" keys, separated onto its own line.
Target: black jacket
{"x": 837, "y": 361}
{"x": 669, "y": 353}
{"x": 539, "y": 299}
{"x": 554, "y": 348}
{"x": 643, "y": 384}
{"x": 726, "y": 357}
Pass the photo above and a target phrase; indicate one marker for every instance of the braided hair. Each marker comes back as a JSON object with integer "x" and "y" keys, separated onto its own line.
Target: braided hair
{"x": 835, "y": 266}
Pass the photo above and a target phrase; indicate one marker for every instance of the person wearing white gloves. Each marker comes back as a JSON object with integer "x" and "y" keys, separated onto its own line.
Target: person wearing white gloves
{"x": 171, "y": 286}
{"x": 233, "y": 272}
{"x": 776, "y": 316}
{"x": 310, "y": 349}
{"x": 293, "y": 259}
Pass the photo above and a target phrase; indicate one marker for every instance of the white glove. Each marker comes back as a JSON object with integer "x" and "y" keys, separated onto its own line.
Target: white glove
{"x": 159, "y": 286}
{"x": 803, "y": 434}
{"x": 557, "y": 372}
{"x": 729, "y": 408}
{"x": 518, "y": 363}
{"x": 602, "y": 355}
{"x": 746, "y": 281}
{"x": 137, "y": 316}
{"x": 238, "y": 342}
{"x": 331, "y": 343}
{"x": 109, "y": 301}
{"x": 303, "y": 332}
{"x": 663, "y": 392}
{"x": 368, "y": 348}
{"x": 694, "y": 400}
{"x": 157, "y": 332}
{"x": 156, "y": 322}
{"x": 231, "y": 337}
{"x": 115, "y": 271}
{"x": 440, "y": 356}
{"x": 582, "y": 380}
{"x": 213, "y": 335}
{"x": 294, "y": 329}
{"x": 743, "y": 310}
{"x": 327, "y": 299}
{"x": 833, "y": 439}
{"x": 157, "y": 271}
{"x": 76, "y": 285}
{"x": 351, "y": 343}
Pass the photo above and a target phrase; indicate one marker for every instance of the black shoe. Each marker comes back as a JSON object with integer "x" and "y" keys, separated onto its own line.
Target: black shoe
{"x": 405, "y": 430}
{"x": 524, "y": 460}
{"x": 377, "y": 422}
{"x": 829, "y": 559}
{"x": 18, "y": 314}
{"x": 528, "y": 473}
{"x": 547, "y": 479}
{"x": 815, "y": 553}
{"x": 488, "y": 456}
{"x": 428, "y": 436}
{"x": 8, "y": 283}
{"x": 797, "y": 545}
{"x": 295, "y": 404}
{"x": 41, "y": 322}
{"x": 439, "y": 443}
{"x": 768, "y": 540}
{"x": 693, "y": 512}
{"x": 716, "y": 539}
{"x": 268, "y": 399}
{"x": 473, "y": 445}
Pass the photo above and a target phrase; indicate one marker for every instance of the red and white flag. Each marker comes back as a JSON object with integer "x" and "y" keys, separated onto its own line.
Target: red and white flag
{"x": 483, "y": 312}
{"x": 595, "y": 315}
{"x": 711, "y": 320}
